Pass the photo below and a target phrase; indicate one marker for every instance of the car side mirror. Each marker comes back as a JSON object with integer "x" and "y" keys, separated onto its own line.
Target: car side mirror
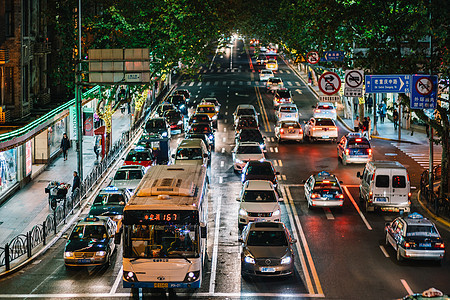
{"x": 358, "y": 174}
{"x": 240, "y": 240}
{"x": 293, "y": 241}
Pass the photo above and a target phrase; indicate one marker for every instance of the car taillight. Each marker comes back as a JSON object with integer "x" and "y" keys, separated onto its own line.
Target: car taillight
{"x": 409, "y": 196}
{"x": 290, "y": 127}
{"x": 314, "y": 128}
{"x": 439, "y": 245}
{"x": 281, "y": 130}
{"x": 317, "y": 110}
{"x": 370, "y": 151}
{"x": 301, "y": 130}
{"x": 314, "y": 196}
{"x": 347, "y": 151}
{"x": 370, "y": 194}
{"x": 358, "y": 140}
{"x": 340, "y": 196}
{"x": 407, "y": 245}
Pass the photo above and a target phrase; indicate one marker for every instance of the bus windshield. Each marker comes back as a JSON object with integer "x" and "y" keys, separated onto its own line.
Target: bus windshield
{"x": 158, "y": 241}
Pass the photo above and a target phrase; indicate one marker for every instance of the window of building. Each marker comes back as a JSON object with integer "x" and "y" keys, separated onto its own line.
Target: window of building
{"x": 9, "y": 18}
{"x": 9, "y": 86}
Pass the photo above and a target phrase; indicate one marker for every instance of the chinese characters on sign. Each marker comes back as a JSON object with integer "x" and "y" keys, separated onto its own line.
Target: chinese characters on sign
{"x": 388, "y": 83}
{"x": 424, "y": 91}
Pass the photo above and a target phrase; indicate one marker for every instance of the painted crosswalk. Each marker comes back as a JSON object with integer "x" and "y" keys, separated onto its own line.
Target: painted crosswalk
{"x": 420, "y": 153}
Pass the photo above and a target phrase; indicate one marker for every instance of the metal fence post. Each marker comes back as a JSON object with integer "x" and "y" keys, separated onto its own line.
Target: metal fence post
{"x": 54, "y": 220}
{"x": 7, "y": 265}
{"x": 44, "y": 233}
{"x": 29, "y": 244}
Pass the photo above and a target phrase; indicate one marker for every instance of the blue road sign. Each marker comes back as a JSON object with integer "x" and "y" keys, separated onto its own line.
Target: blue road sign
{"x": 424, "y": 91}
{"x": 388, "y": 83}
{"x": 332, "y": 56}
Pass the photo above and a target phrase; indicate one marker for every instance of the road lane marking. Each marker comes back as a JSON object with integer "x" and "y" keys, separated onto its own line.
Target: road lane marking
{"x": 278, "y": 177}
{"x": 220, "y": 179}
{"x": 224, "y": 83}
{"x": 224, "y": 139}
{"x": 276, "y": 149}
{"x": 280, "y": 163}
{"x": 289, "y": 83}
{"x": 224, "y": 129}
{"x": 357, "y": 208}
{"x": 406, "y": 286}
{"x": 232, "y": 83}
{"x": 212, "y": 283}
{"x": 226, "y": 113}
{"x": 283, "y": 177}
{"x": 263, "y": 110}
{"x": 275, "y": 163}
{"x": 184, "y": 83}
{"x": 226, "y": 120}
{"x": 216, "y": 82}
{"x": 328, "y": 213}
{"x": 305, "y": 243}
{"x": 46, "y": 278}
{"x": 384, "y": 251}
{"x": 223, "y": 150}
{"x": 249, "y": 83}
{"x": 271, "y": 149}
{"x": 116, "y": 282}
{"x": 208, "y": 83}
{"x": 272, "y": 139}
{"x": 191, "y": 84}
{"x": 199, "y": 84}
{"x": 280, "y": 71}
{"x": 297, "y": 83}
{"x": 222, "y": 163}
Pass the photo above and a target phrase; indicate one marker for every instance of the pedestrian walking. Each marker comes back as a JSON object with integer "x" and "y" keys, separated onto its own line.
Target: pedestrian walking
{"x": 309, "y": 77}
{"x": 395, "y": 118}
{"x": 355, "y": 104}
{"x": 369, "y": 104}
{"x": 369, "y": 127}
{"x": 65, "y": 145}
{"x": 76, "y": 182}
{"x": 382, "y": 111}
{"x": 356, "y": 123}
{"x": 365, "y": 127}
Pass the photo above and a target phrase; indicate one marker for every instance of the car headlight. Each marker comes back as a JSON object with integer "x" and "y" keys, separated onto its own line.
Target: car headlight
{"x": 261, "y": 146}
{"x": 164, "y": 134}
{"x": 100, "y": 253}
{"x": 211, "y": 137}
{"x": 243, "y": 212}
{"x": 182, "y": 106}
{"x": 129, "y": 276}
{"x": 214, "y": 117}
{"x": 68, "y": 254}
{"x": 238, "y": 161}
{"x": 249, "y": 260}
{"x": 286, "y": 260}
{"x": 180, "y": 122}
{"x": 276, "y": 213}
{"x": 117, "y": 218}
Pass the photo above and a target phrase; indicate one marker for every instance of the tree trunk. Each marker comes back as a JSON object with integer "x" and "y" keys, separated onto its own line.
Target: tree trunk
{"x": 445, "y": 164}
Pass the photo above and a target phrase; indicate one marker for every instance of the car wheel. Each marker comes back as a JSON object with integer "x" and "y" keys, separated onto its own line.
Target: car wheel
{"x": 399, "y": 256}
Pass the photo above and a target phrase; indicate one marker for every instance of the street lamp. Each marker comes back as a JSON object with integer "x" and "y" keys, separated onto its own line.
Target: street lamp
{"x": 78, "y": 100}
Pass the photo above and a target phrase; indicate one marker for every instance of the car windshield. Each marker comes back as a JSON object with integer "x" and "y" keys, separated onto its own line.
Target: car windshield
{"x": 120, "y": 175}
{"x": 212, "y": 101}
{"x": 288, "y": 109}
{"x": 324, "y": 122}
{"x": 138, "y": 156}
{"x": 284, "y": 94}
{"x": 199, "y": 128}
{"x": 358, "y": 144}
{"x": 170, "y": 114}
{"x": 259, "y": 196}
{"x": 249, "y": 150}
{"x": 250, "y": 123}
{"x": 189, "y": 153}
{"x": 205, "y": 109}
{"x": 245, "y": 111}
{"x": 135, "y": 174}
{"x": 290, "y": 124}
{"x": 261, "y": 169}
{"x": 250, "y": 134}
{"x": 156, "y": 241}
{"x": 421, "y": 230}
{"x": 177, "y": 99}
{"x": 81, "y": 232}
{"x": 272, "y": 61}
{"x": 325, "y": 106}
{"x": 109, "y": 199}
{"x": 267, "y": 238}
{"x": 261, "y": 56}
{"x": 155, "y": 124}
{"x": 266, "y": 72}
{"x": 199, "y": 119}
{"x": 275, "y": 80}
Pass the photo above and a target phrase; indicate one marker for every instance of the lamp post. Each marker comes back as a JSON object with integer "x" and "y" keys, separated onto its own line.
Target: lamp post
{"x": 78, "y": 101}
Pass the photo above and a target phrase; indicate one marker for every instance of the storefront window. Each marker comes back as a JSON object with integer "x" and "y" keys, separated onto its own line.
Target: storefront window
{"x": 55, "y": 134}
{"x": 8, "y": 169}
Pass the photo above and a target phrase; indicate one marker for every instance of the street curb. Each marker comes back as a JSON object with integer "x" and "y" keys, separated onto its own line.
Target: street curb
{"x": 439, "y": 219}
{"x": 345, "y": 124}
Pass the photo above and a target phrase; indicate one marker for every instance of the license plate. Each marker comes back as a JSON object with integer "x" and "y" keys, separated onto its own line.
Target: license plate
{"x": 425, "y": 245}
{"x": 329, "y": 196}
{"x": 259, "y": 219}
{"x": 380, "y": 200}
{"x": 161, "y": 285}
{"x": 267, "y": 270}
{"x": 288, "y": 116}
{"x": 84, "y": 261}
{"x": 325, "y": 136}
{"x": 291, "y": 131}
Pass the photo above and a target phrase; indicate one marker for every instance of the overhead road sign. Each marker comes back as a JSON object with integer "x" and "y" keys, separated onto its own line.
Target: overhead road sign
{"x": 332, "y": 56}
{"x": 329, "y": 83}
{"x": 312, "y": 57}
{"x": 354, "y": 83}
{"x": 388, "y": 83}
{"x": 424, "y": 91}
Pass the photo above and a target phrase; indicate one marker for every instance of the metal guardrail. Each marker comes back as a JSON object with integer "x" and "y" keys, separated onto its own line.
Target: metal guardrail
{"x": 23, "y": 244}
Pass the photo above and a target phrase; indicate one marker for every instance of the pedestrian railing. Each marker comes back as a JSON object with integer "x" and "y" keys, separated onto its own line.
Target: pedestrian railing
{"x": 23, "y": 244}
{"x": 440, "y": 206}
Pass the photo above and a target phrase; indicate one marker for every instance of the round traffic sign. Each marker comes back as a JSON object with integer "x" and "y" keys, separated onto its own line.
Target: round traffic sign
{"x": 312, "y": 57}
{"x": 329, "y": 83}
{"x": 353, "y": 79}
{"x": 424, "y": 86}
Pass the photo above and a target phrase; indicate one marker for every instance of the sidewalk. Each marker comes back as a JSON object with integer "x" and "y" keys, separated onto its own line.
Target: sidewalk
{"x": 29, "y": 206}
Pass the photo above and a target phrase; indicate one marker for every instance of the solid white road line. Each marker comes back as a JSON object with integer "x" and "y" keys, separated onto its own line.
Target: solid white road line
{"x": 406, "y": 286}
{"x": 223, "y": 150}
{"x": 212, "y": 283}
{"x": 357, "y": 208}
{"x": 222, "y": 163}
{"x": 283, "y": 177}
{"x": 276, "y": 149}
{"x": 384, "y": 251}
{"x": 328, "y": 213}
{"x": 305, "y": 244}
{"x": 116, "y": 282}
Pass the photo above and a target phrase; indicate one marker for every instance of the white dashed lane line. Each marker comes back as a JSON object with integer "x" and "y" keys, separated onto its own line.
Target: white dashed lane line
{"x": 276, "y": 149}
{"x": 384, "y": 251}
{"x": 406, "y": 286}
{"x": 222, "y": 163}
{"x": 223, "y": 150}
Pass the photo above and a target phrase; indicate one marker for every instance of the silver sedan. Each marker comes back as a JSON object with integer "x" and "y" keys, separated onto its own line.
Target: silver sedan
{"x": 288, "y": 130}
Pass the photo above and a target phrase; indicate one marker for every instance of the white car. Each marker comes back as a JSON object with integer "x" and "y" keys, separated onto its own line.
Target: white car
{"x": 325, "y": 110}
{"x": 288, "y": 130}
{"x": 321, "y": 129}
{"x": 288, "y": 111}
{"x": 244, "y": 152}
{"x": 128, "y": 177}
{"x": 258, "y": 202}
{"x": 242, "y": 110}
{"x": 274, "y": 83}
{"x": 265, "y": 75}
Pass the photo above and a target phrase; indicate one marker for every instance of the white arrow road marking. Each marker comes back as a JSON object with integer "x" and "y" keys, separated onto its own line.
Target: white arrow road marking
{"x": 299, "y": 91}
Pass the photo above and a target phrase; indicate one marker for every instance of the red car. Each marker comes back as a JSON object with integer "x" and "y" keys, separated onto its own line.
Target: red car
{"x": 140, "y": 156}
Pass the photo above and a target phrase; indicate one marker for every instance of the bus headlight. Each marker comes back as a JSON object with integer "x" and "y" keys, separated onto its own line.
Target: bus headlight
{"x": 68, "y": 254}
{"x": 243, "y": 212}
{"x": 129, "y": 276}
{"x": 100, "y": 253}
{"x": 192, "y": 276}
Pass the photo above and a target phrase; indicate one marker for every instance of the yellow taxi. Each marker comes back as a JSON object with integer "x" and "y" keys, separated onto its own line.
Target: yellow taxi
{"x": 210, "y": 110}
{"x": 272, "y": 65}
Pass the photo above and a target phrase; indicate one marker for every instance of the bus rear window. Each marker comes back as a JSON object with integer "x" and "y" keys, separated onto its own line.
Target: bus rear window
{"x": 382, "y": 181}
{"x": 398, "y": 181}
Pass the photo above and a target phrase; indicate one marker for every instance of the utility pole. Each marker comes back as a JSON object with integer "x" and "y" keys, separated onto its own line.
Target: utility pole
{"x": 78, "y": 101}
{"x": 399, "y": 120}
{"x": 430, "y": 166}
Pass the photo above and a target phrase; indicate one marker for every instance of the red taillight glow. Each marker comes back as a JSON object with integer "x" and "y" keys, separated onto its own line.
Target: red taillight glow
{"x": 290, "y": 127}
{"x": 326, "y": 181}
{"x": 347, "y": 151}
{"x": 281, "y": 130}
{"x": 370, "y": 151}
{"x": 325, "y": 106}
{"x": 407, "y": 245}
{"x": 370, "y": 194}
{"x": 340, "y": 196}
{"x": 313, "y": 196}
{"x": 407, "y": 176}
{"x": 439, "y": 245}
{"x": 409, "y": 196}
{"x": 317, "y": 110}
{"x": 358, "y": 140}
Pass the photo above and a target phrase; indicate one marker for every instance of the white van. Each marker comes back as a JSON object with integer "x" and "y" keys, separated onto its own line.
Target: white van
{"x": 385, "y": 185}
{"x": 191, "y": 152}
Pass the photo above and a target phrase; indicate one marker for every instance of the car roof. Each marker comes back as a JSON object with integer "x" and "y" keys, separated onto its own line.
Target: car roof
{"x": 387, "y": 164}
{"x": 275, "y": 78}
{"x": 266, "y": 71}
{"x": 288, "y": 121}
{"x": 325, "y": 176}
{"x": 416, "y": 219}
{"x": 245, "y": 106}
{"x": 325, "y": 103}
{"x": 131, "y": 167}
{"x": 200, "y": 114}
{"x": 259, "y": 162}
{"x": 266, "y": 226}
{"x": 248, "y": 144}
{"x": 91, "y": 220}
{"x": 191, "y": 143}
{"x": 258, "y": 185}
{"x": 204, "y": 104}
{"x": 288, "y": 105}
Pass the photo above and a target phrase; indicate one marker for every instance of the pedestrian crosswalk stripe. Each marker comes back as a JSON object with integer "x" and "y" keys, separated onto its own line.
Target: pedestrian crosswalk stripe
{"x": 219, "y": 70}
{"x": 232, "y": 83}
{"x": 287, "y": 71}
{"x": 241, "y": 82}
{"x": 204, "y": 71}
{"x": 224, "y": 83}
{"x": 419, "y": 153}
{"x": 271, "y": 149}
{"x": 208, "y": 83}
{"x": 283, "y": 177}
{"x": 249, "y": 83}
{"x": 279, "y": 177}
{"x": 281, "y": 71}
{"x": 297, "y": 83}
{"x": 216, "y": 82}
{"x": 191, "y": 84}
{"x": 289, "y": 83}
{"x": 199, "y": 84}
{"x": 232, "y": 70}
{"x": 184, "y": 83}
{"x": 272, "y": 139}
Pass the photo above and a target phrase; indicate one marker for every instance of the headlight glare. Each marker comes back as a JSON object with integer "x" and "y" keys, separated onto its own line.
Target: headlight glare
{"x": 100, "y": 253}
{"x": 286, "y": 260}
{"x": 276, "y": 213}
{"x": 249, "y": 260}
{"x": 68, "y": 254}
{"x": 243, "y": 212}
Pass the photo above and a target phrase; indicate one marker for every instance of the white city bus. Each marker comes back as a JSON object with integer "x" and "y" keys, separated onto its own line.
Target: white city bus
{"x": 164, "y": 229}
